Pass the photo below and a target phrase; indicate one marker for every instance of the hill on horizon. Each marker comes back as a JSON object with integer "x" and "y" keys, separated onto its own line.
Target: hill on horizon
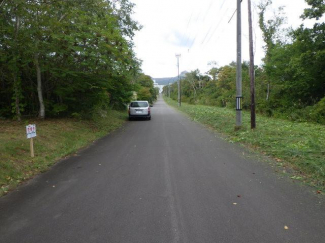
{"x": 170, "y": 80}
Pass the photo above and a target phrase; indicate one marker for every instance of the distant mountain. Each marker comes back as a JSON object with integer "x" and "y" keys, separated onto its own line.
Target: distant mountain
{"x": 165, "y": 81}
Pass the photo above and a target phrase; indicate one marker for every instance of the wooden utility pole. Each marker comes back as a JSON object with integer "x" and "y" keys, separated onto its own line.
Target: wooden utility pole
{"x": 251, "y": 66}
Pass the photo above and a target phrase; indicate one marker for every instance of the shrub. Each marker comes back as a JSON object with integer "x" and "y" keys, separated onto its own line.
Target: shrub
{"x": 318, "y": 112}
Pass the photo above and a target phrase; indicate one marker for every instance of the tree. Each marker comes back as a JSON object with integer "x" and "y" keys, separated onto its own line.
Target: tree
{"x": 11, "y": 49}
{"x": 271, "y": 35}
{"x": 316, "y": 11}
{"x": 213, "y": 72}
{"x": 193, "y": 79}
{"x": 144, "y": 86}
{"x": 66, "y": 56}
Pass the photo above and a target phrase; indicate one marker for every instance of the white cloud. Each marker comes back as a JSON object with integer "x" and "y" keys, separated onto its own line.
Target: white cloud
{"x": 199, "y": 31}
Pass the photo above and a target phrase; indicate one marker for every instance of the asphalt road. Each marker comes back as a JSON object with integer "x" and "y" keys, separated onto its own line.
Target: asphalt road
{"x": 165, "y": 180}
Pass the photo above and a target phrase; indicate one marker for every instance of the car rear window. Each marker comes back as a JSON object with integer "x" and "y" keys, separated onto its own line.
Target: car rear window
{"x": 139, "y": 104}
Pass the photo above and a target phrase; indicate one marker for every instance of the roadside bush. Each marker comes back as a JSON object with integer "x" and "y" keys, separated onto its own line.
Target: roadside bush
{"x": 314, "y": 113}
{"x": 318, "y": 112}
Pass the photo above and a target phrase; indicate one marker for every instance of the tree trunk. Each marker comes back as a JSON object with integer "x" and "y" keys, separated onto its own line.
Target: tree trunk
{"x": 194, "y": 89}
{"x": 17, "y": 85}
{"x": 17, "y": 95}
{"x": 39, "y": 88}
{"x": 268, "y": 92}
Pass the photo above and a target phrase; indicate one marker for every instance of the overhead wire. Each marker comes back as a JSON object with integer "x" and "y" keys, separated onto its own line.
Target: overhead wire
{"x": 217, "y": 26}
{"x": 205, "y": 15}
{"x": 188, "y": 23}
{"x": 188, "y": 37}
{"x": 208, "y": 37}
{"x": 232, "y": 16}
{"x": 208, "y": 32}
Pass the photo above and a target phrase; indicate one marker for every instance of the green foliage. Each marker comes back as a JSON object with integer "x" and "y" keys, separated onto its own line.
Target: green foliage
{"x": 317, "y": 112}
{"x": 294, "y": 69}
{"x": 56, "y": 138}
{"x": 144, "y": 94}
{"x": 213, "y": 72}
{"x": 299, "y": 146}
{"x": 145, "y": 88}
{"x": 289, "y": 85}
{"x": 316, "y": 11}
{"x": 198, "y": 88}
{"x": 84, "y": 49}
{"x": 293, "y": 95}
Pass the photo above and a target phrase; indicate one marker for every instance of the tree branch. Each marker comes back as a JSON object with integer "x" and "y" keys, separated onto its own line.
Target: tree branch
{"x": 2, "y": 2}
{"x": 62, "y": 17}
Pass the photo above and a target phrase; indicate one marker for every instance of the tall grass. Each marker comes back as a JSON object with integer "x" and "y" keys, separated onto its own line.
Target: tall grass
{"x": 300, "y": 146}
{"x": 55, "y": 139}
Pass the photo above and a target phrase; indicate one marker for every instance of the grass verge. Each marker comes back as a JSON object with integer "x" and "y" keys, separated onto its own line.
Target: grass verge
{"x": 297, "y": 146}
{"x": 56, "y": 138}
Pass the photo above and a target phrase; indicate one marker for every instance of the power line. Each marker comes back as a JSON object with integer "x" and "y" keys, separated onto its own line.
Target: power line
{"x": 208, "y": 9}
{"x": 208, "y": 32}
{"x": 197, "y": 18}
{"x": 217, "y": 25}
{"x": 205, "y": 15}
{"x": 232, "y": 16}
{"x": 208, "y": 35}
{"x": 222, "y": 4}
{"x": 211, "y": 25}
{"x": 188, "y": 23}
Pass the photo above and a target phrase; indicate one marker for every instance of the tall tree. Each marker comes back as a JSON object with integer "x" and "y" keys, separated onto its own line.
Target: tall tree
{"x": 144, "y": 86}
{"x": 71, "y": 55}
{"x": 271, "y": 31}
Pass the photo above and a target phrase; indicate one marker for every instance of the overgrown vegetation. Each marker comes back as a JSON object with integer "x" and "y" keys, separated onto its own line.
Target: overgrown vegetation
{"x": 56, "y": 138}
{"x": 290, "y": 83}
{"x": 65, "y": 58}
{"x": 299, "y": 146}
{"x": 145, "y": 88}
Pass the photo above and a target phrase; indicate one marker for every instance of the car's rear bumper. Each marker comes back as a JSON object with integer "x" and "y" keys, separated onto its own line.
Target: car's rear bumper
{"x": 147, "y": 117}
{"x": 134, "y": 116}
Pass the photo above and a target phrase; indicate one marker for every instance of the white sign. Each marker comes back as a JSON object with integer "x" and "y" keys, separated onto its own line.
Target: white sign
{"x": 31, "y": 130}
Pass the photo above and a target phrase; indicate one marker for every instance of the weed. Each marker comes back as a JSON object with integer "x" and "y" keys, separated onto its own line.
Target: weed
{"x": 55, "y": 139}
{"x": 299, "y": 145}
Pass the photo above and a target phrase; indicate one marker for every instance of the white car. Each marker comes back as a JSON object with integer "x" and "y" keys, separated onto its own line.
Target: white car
{"x": 140, "y": 108}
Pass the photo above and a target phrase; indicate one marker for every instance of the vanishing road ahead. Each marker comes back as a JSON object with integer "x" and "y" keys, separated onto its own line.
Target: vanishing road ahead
{"x": 166, "y": 180}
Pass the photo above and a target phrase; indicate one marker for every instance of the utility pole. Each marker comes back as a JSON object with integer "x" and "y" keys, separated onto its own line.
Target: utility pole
{"x": 251, "y": 66}
{"x": 179, "y": 81}
{"x": 238, "y": 70}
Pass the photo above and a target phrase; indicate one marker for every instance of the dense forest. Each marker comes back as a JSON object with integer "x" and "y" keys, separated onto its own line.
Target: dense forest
{"x": 291, "y": 82}
{"x": 68, "y": 58}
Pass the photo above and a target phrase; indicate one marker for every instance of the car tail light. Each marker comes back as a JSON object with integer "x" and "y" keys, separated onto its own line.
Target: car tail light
{"x": 149, "y": 110}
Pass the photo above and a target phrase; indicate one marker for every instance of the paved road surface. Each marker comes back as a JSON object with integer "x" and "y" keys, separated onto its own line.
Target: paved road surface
{"x": 165, "y": 180}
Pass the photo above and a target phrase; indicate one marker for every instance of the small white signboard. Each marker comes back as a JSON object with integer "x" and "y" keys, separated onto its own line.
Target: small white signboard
{"x": 31, "y": 130}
